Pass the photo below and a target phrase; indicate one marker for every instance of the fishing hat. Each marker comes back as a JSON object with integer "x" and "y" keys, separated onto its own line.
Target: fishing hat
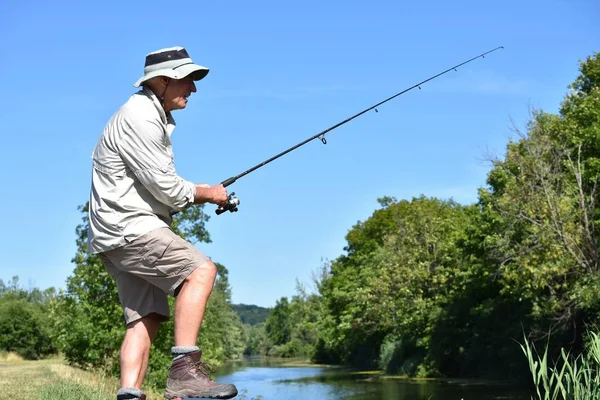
{"x": 173, "y": 62}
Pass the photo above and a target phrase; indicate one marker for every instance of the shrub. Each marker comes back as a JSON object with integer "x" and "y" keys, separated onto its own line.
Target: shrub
{"x": 23, "y": 329}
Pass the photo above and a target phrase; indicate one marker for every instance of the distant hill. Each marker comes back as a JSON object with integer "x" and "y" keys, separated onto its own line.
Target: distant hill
{"x": 251, "y": 314}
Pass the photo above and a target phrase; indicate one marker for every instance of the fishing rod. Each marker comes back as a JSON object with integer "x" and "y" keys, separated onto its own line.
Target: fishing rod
{"x": 233, "y": 201}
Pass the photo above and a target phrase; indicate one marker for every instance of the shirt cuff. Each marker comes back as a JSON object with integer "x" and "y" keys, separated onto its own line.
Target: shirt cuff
{"x": 191, "y": 193}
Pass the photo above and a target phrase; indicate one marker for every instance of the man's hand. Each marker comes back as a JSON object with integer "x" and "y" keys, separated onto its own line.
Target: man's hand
{"x": 211, "y": 194}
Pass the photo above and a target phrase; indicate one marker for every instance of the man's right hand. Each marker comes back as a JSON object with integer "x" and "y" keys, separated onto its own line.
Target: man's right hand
{"x": 211, "y": 194}
{"x": 219, "y": 194}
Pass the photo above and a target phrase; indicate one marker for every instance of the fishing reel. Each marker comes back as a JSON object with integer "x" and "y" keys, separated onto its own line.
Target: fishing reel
{"x": 231, "y": 206}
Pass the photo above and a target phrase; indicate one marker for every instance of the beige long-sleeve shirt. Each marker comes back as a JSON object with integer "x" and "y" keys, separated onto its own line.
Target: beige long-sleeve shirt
{"x": 134, "y": 182}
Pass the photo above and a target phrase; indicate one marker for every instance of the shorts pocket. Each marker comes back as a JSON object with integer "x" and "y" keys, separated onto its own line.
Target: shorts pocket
{"x": 155, "y": 250}
{"x": 170, "y": 257}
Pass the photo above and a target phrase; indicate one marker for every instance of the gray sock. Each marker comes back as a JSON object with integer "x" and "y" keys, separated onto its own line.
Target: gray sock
{"x": 129, "y": 393}
{"x": 180, "y": 351}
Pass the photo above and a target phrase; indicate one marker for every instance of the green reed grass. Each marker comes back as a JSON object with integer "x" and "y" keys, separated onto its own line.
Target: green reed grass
{"x": 570, "y": 378}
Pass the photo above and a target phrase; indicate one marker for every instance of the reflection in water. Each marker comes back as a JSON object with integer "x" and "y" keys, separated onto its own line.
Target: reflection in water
{"x": 266, "y": 378}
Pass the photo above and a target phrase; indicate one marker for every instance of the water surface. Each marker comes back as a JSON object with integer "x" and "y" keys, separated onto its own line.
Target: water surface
{"x": 265, "y": 378}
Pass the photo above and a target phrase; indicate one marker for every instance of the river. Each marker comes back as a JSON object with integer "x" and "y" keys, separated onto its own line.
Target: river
{"x": 264, "y": 378}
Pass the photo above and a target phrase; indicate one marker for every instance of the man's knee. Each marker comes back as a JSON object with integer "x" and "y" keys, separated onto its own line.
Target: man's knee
{"x": 145, "y": 327}
{"x": 203, "y": 275}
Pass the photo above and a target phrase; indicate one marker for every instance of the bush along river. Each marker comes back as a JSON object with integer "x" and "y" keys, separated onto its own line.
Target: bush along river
{"x": 261, "y": 378}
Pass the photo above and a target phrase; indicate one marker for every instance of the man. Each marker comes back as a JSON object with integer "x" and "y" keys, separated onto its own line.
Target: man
{"x": 134, "y": 190}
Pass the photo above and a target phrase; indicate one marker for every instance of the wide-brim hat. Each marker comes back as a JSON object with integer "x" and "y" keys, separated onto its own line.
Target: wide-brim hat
{"x": 173, "y": 62}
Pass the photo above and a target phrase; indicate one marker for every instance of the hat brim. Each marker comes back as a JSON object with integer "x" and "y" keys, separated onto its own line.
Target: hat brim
{"x": 198, "y": 72}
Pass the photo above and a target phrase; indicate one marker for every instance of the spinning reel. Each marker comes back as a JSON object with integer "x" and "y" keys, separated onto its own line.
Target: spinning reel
{"x": 231, "y": 206}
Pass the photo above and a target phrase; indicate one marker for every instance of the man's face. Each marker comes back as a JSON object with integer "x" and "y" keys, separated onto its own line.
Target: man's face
{"x": 177, "y": 93}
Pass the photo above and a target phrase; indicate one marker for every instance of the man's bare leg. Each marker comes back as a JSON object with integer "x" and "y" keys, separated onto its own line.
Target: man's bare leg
{"x": 191, "y": 304}
{"x": 135, "y": 350}
{"x": 187, "y": 377}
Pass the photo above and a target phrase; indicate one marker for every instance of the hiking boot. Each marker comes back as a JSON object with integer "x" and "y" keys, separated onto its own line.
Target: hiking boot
{"x": 190, "y": 377}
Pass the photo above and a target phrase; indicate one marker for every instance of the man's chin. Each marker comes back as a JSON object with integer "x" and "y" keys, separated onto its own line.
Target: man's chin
{"x": 181, "y": 105}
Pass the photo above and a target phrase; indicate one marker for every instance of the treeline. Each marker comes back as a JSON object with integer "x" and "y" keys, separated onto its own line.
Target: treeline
{"x": 430, "y": 287}
{"x": 290, "y": 329}
{"x": 251, "y": 314}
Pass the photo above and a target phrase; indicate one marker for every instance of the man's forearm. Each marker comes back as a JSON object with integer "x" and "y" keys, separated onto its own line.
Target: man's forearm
{"x": 203, "y": 194}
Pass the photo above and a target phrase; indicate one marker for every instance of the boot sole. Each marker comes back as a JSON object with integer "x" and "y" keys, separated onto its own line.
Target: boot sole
{"x": 203, "y": 397}
{"x": 215, "y": 395}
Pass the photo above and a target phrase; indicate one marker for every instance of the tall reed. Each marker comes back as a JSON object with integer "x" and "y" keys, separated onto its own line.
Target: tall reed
{"x": 570, "y": 378}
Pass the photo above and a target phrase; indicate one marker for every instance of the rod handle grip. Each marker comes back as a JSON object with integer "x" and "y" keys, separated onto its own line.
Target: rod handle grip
{"x": 228, "y": 182}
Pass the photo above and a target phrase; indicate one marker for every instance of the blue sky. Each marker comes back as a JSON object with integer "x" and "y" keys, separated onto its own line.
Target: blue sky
{"x": 280, "y": 73}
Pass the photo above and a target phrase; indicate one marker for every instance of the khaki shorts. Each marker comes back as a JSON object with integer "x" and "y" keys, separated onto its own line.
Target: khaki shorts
{"x": 149, "y": 269}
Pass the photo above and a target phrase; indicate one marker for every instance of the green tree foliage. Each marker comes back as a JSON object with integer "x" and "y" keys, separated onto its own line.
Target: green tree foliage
{"x": 88, "y": 320}
{"x": 394, "y": 288}
{"x": 24, "y": 321}
{"x": 257, "y": 341}
{"x": 536, "y": 235}
{"x": 279, "y": 324}
{"x": 291, "y": 327}
{"x": 251, "y": 314}
{"x": 580, "y": 117}
{"x": 13, "y": 290}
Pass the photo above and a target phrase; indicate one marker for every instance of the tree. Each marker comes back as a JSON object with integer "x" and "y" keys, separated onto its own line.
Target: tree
{"x": 533, "y": 245}
{"x": 392, "y": 287}
{"x": 544, "y": 193}
{"x": 278, "y": 324}
{"x": 291, "y": 326}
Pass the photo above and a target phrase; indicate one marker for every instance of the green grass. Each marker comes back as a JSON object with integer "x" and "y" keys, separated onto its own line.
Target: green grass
{"x": 72, "y": 391}
{"x": 52, "y": 379}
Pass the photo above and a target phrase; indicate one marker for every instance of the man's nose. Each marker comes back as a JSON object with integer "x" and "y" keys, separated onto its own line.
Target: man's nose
{"x": 193, "y": 87}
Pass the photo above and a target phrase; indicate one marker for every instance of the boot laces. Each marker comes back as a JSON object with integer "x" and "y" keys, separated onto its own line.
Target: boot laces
{"x": 204, "y": 368}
